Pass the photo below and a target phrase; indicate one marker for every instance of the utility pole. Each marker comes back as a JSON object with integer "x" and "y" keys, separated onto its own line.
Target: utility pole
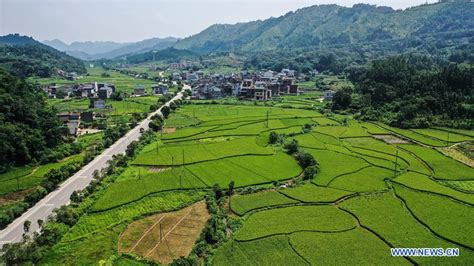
{"x": 17, "y": 182}
{"x": 267, "y": 117}
{"x": 447, "y": 140}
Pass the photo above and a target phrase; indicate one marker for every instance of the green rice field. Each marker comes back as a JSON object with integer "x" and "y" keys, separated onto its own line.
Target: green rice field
{"x": 367, "y": 196}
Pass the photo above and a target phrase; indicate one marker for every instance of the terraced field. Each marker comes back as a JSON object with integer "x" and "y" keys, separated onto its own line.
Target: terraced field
{"x": 368, "y": 196}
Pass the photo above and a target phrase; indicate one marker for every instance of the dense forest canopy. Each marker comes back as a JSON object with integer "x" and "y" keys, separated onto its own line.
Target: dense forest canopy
{"x": 28, "y": 127}
{"x": 333, "y": 26}
{"x": 334, "y": 38}
{"x": 413, "y": 91}
{"x": 25, "y": 57}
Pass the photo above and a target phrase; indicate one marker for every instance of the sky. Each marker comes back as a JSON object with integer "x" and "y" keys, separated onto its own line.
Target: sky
{"x": 135, "y": 20}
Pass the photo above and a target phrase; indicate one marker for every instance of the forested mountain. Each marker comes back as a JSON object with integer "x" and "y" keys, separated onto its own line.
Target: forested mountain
{"x": 25, "y": 57}
{"x": 169, "y": 54}
{"x": 427, "y": 27}
{"x": 110, "y": 50}
{"x": 29, "y": 128}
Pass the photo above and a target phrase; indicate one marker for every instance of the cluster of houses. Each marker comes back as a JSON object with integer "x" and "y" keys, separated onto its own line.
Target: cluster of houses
{"x": 157, "y": 89}
{"x": 67, "y": 75}
{"x": 246, "y": 85}
{"x": 72, "y": 120}
{"x": 91, "y": 90}
{"x": 98, "y": 93}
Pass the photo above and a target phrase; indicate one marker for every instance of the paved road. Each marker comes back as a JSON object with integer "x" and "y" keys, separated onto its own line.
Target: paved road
{"x": 80, "y": 180}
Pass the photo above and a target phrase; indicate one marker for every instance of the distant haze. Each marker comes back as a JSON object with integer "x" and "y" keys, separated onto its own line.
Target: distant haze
{"x": 134, "y": 20}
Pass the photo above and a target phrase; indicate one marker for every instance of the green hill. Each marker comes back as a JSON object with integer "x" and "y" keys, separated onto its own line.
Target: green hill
{"x": 168, "y": 54}
{"x": 331, "y": 26}
{"x": 25, "y": 57}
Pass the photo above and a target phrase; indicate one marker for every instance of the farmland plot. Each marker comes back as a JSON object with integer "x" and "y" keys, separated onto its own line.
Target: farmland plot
{"x": 169, "y": 155}
{"x": 274, "y": 250}
{"x": 353, "y": 247}
{"x": 138, "y": 182}
{"x": 96, "y": 222}
{"x": 443, "y": 215}
{"x": 167, "y": 236}
{"x": 246, "y": 170}
{"x": 241, "y": 204}
{"x": 312, "y": 193}
{"x": 424, "y": 183}
{"x": 386, "y": 215}
{"x": 297, "y": 218}
{"x": 330, "y": 163}
{"x": 368, "y": 179}
{"x": 443, "y": 166}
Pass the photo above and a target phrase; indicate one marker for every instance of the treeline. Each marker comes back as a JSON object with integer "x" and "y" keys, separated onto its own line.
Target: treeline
{"x": 29, "y": 128}
{"x": 343, "y": 59}
{"x": 412, "y": 91}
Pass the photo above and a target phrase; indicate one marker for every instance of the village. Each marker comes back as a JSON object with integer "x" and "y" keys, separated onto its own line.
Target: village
{"x": 245, "y": 85}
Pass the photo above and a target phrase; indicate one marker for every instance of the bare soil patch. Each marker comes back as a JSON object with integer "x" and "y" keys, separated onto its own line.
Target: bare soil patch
{"x": 157, "y": 169}
{"x": 168, "y": 130}
{"x": 167, "y": 236}
{"x": 15, "y": 196}
{"x": 391, "y": 139}
{"x": 456, "y": 154}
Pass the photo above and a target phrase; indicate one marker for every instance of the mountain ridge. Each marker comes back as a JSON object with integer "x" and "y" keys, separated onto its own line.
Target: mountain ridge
{"x": 323, "y": 26}
{"x": 92, "y": 50}
{"x": 24, "y": 57}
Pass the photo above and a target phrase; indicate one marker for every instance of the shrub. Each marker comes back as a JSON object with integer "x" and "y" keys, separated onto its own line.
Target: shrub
{"x": 36, "y": 195}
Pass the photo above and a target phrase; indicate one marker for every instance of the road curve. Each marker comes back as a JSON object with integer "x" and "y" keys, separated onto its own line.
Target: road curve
{"x": 80, "y": 180}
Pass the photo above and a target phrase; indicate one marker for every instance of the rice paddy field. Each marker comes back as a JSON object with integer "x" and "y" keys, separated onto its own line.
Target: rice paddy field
{"x": 371, "y": 193}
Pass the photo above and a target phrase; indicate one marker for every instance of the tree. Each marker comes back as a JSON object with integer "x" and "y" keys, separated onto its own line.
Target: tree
{"x": 75, "y": 197}
{"x": 29, "y": 127}
{"x": 66, "y": 215}
{"x": 182, "y": 261}
{"x": 307, "y": 128}
{"x": 305, "y": 159}
{"x": 217, "y": 191}
{"x": 292, "y": 146}
{"x": 173, "y": 106}
{"x": 60, "y": 94}
{"x": 40, "y": 223}
{"x": 155, "y": 125}
{"x": 165, "y": 110}
{"x": 342, "y": 99}
{"x": 310, "y": 172}
{"x": 231, "y": 188}
{"x": 26, "y": 226}
{"x": 132, "y": 148}
{"x": 273, "y": 138}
